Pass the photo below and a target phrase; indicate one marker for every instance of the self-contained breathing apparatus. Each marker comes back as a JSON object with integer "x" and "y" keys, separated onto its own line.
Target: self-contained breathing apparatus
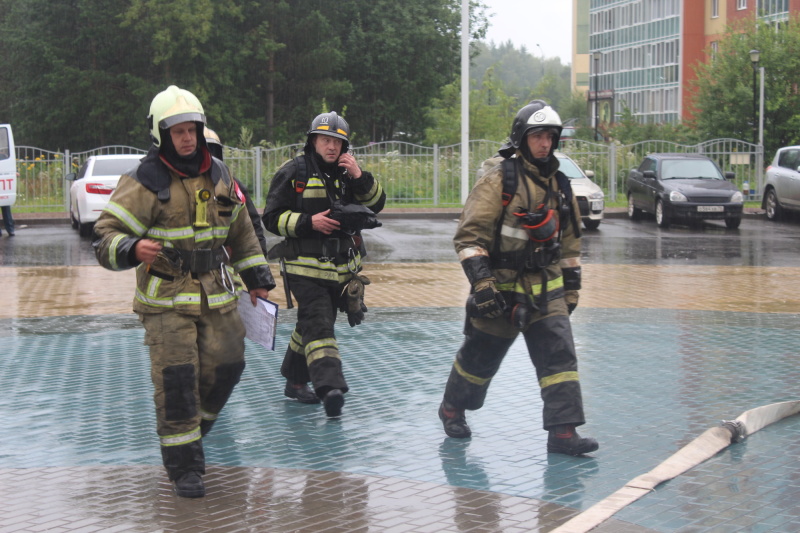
{"x": 544, "y": 227}
{"x": 352, "y": 217}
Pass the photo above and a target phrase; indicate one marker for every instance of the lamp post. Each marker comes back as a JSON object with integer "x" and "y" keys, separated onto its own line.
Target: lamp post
{"x": 596, "y": 56}
{"x": 754, "y": 57}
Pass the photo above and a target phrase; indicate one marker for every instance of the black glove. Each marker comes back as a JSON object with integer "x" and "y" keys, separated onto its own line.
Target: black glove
{"x": 489, "y": 303}
{"x": 571, "y": 307}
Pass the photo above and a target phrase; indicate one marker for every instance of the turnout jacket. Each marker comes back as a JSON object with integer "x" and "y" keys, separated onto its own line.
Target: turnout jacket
{"x": 300, "y": 190}
{"x": 486, "y": 228}
{"x": 156, "y": 202}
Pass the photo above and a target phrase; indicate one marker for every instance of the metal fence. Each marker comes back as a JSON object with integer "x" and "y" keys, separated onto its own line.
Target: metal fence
{"x": 411, "y": 174}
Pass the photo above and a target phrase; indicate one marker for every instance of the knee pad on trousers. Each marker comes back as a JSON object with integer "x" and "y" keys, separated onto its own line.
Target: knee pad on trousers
{"x": 179, "y": 392}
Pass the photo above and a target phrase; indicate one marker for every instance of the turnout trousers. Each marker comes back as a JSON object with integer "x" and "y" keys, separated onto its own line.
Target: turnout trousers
{"x": 195, "y": 362}
{"x": 552, "y": 351}
{"x": 313, "y": 353}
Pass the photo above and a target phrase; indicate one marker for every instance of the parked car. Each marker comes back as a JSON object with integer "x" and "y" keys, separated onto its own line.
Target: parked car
{"x": 782, "y": 187}
{"x": 683, "y": 188}
{"x": 590, "y": 196}
{"x": 92, "y": 186}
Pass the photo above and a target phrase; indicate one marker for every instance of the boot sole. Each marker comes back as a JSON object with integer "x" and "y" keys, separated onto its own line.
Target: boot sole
{"x": 195, "y": 493}
{"x": 569, "y": 451}
{"x": 301, "y": 400}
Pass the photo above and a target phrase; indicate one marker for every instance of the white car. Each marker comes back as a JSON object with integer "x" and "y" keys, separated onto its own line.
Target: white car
{"x": 782, "y": 187}
{"x": 591, "y": 199}
{"x": 92, "y": 187}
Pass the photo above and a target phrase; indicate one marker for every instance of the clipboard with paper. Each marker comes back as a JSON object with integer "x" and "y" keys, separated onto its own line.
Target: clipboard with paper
{"x": 260, "y": 321}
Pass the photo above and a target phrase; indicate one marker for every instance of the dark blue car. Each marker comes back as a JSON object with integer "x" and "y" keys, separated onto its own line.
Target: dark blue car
{"x": 683, "y": 188}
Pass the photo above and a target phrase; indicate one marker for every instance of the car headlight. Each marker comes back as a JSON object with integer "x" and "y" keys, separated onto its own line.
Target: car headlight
{"x": 737, "y": 197}
{"x": 597, "y": 195}
{"x": 676, "y": 196}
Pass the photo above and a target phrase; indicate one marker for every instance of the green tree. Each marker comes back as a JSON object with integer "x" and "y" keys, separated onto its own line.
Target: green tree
{"x": 723, "y": 105}
{"x": 491, "y": 112}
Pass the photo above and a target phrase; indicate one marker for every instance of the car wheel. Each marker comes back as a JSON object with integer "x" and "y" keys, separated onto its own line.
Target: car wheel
{"x": 661, "y": 217}
{"x": 733, "y": 223}
{"x": 591, "y": 224}
{"x": 85, "y": 230}
{"x": 634, "y": 213}
{"x": 772, "y": 206}
{"x": 73, "y": 220}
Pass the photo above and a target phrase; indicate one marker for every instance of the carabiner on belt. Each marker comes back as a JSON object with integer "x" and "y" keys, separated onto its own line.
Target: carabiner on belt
{"x": 227, "y": 279}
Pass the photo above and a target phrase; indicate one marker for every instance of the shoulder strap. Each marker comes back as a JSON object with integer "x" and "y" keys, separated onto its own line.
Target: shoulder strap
{"x": 564, "y": 185}
{"x": 509, "y": 180}
{"x": 566, "y": 189}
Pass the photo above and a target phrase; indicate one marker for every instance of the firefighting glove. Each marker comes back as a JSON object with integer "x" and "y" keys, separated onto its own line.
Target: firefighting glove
{"x": 489, "y": 303}
{"x": 352, "y": 300}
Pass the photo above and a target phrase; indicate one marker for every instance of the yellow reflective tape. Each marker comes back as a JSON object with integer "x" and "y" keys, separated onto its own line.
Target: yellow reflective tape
{"x": 469, "y": 377}
{"x": 182, "y": 438}
{"x": 323, "y": 127}
{"x": 472, "y": 251}
{"x": 555, "y": 379}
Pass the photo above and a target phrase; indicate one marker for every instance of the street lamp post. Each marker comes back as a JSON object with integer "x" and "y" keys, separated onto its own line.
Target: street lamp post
{"x": 596, "y": 56}
{"x": 754, "y": 57}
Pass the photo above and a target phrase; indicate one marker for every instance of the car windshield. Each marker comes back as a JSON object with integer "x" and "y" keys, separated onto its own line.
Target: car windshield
{"x": 698, "y": 169}
{"x": 112, "y": 167}
{"x": 568, "y": 167}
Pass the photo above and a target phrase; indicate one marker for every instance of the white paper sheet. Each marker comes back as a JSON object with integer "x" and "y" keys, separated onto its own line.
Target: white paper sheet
{"x": 260, "y": 322}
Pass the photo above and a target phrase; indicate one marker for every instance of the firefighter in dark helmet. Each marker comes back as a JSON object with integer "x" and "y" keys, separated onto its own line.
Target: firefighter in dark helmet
{"x": 518, "y": 240}
{"x": 172, "y": 218}
{"x": 320, "y": 201}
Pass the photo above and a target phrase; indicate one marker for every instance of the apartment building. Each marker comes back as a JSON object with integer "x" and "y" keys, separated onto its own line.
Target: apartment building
{"x": 640, "y": 54}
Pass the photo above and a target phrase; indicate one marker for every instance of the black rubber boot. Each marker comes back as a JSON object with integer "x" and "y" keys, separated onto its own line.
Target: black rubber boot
{"x": 333, "y": 403}
{"x": 300, "y": 392}
{"x": 190, "y": 485}
{"x": 454, "y": 421}
{"x": 185, "y": 466}
{"x": 565, "y": 440}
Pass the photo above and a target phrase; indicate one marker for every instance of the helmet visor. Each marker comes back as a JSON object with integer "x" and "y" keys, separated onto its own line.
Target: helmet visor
{"x": 192, "y": 116}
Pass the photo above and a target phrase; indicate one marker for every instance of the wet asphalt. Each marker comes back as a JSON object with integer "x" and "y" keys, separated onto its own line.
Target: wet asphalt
{"x": 757, "y": 242}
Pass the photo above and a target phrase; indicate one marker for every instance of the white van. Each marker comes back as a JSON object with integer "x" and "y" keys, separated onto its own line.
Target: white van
{"x": 8, "y": 167}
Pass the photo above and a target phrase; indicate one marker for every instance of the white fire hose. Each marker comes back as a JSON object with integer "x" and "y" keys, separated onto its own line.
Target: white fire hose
{"x": 711, "y": 442}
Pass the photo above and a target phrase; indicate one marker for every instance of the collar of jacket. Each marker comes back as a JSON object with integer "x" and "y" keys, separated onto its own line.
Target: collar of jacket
{"x": 154, "y": 173}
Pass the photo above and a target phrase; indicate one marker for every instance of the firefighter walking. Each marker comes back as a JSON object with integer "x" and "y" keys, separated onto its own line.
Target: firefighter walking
{"x": 320, "y": 201}
{"x": 172, "y": 218}
{"x": 518, "y": 240}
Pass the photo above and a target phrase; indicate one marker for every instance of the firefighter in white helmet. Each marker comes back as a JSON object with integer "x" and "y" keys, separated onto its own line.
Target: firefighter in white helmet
{"x": 518, "y": 240}
{"x": 172, "y": 218}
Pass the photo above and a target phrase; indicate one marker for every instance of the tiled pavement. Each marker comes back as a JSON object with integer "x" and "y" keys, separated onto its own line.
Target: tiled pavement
{"x": 659, "y": 365}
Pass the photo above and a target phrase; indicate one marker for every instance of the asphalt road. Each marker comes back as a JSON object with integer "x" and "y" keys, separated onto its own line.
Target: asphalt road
{"x": 757, "y": 242}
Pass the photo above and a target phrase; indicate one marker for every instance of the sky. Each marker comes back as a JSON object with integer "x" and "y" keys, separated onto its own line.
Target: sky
{"x": 547, "y": 23}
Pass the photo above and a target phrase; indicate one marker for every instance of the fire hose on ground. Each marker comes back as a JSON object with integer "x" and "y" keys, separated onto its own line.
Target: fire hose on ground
{"x": 708, "y": 444}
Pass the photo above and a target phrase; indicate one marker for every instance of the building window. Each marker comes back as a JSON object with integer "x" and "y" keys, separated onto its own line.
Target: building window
{"x": 741, "y": 4}
{"x": 714, "y": 9}
{"x": 714, "y": 49}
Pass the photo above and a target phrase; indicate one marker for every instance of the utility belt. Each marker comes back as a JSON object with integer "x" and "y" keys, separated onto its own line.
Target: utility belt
{"x": 532, "y": 258}
{"x": 196, "y": 261}
{"x": 335, "y": 249}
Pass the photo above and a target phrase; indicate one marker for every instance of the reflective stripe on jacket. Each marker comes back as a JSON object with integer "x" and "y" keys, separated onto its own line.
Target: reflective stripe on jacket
{"x": 136, "y": 212}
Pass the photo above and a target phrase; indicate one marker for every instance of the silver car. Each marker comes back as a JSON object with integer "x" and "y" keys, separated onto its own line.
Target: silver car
{"x": 591, "y": 199}
{"x": 782, "y": 188}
